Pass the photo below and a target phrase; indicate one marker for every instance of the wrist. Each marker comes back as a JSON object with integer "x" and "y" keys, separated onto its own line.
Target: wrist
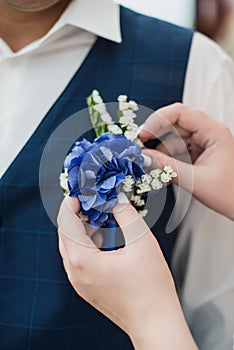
{"x": 163, "y": 331}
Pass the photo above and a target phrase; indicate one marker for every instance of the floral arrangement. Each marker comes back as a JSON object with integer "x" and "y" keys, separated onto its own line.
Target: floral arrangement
{"x": 97, "y": 172}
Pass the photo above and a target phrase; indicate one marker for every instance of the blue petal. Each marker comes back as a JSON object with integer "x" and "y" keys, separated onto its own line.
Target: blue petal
{"x": 109, "y": 183}
{"x": 87, "y": 201}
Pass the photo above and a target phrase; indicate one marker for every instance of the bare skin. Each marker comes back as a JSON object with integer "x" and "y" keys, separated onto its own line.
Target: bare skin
{"x": 24, "y": 21}
{"x": 132, "y": 286}
{"x": 211, "y": 149}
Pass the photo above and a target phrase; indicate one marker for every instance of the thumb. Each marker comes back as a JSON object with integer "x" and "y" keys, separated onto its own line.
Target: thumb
{"x": 184, "y": 170}
{"x": 70, "y": 227}
{"x": 131, "y": 223}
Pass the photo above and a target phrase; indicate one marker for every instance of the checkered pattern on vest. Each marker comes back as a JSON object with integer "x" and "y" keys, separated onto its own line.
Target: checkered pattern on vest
{"x": 38, "y": 308}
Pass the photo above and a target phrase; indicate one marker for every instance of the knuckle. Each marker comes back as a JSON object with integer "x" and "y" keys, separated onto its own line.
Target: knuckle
{"x": 179, "y": 105}
{"x": 82, "y": 279}
{"x": 79, "y": 274}
{"x": 75, "y": 263}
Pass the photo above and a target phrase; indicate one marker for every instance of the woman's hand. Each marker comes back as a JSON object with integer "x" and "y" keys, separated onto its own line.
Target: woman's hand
{"x": 132, "y": 286}
{"x": 211, "y": 146}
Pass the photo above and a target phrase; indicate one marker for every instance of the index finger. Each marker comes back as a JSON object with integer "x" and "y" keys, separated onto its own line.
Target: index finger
{"x": 164, "y": 119}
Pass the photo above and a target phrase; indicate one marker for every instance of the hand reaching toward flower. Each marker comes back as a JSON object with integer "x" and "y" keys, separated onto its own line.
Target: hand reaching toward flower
{"x": 132, "y": 286}
{"x": 211, "y": 146}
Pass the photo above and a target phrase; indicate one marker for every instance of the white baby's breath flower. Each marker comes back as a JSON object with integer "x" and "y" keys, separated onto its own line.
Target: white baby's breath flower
{"x": 128, "y": 183}
{"x": 137, "y": 201}
{"x": 143, "y": 213}
{"x": 129, "y": 114}
{"x": 124, "y": 121}
{"x": 64, "y": 181}
{"x": 115, "y": 129}
{"x": 127, "y": 117}
{"x": 167, "y": 174}
{"x": 101, "y": 108}
{"x": 123, "y": 106}
{"x": 122, "y": 98}
{"x": 168, "y": 169}
{"x": 133, "y": 105}
{"x": 130, "y": 134}
{"x": 165, "y": 177}
{"x": 155, "y": 173}
{"x": 146, "y": 179}
{"x": 133, "y": 126}
{"x": 143, "y": 187}
{"x": 95, "y": 93}
{"x": 106, "y": 118}
{"x": 156, "y": 184}
{"x": 96, "y": 97}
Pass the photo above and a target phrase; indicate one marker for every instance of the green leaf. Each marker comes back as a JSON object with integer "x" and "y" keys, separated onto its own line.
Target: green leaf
{"x": 98, "y": 125}
{"x": 97, "y": 122}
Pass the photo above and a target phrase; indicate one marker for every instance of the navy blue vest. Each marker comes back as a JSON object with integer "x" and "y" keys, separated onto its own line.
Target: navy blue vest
{"x": 38, "y": 307}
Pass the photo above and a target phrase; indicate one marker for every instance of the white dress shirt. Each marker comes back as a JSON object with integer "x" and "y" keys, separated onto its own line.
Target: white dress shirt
{"x": 33, "y": 78}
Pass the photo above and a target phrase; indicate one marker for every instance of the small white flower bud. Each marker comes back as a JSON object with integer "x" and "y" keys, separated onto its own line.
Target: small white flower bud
{"x": 156, "y": 184}
{"x": 106, "y": 118}
{"x": 133, "y": 105}
{"x": 142, "y": 188}
{"x": 123, "y": 106}
{"x": 101, "y": 108}
{"x": 168, "y": 169}
{"x": 128, "y": 183}
{"x": 143, "y": 213}
{"x": 95, "y": 92}
{"x": 130, "y": 134}
{"x": 122, "y": 98}
{"x": 115, "y": 129}
{"x": 146, "y": 179}
{"x": 137, "y": 201}
{"x": 155, "y": 173}
{"x": 64, "y": 181}
{"x": 165, "y": 177}
{"x": 128, "y": 113}
{"x": 97, "y": 99}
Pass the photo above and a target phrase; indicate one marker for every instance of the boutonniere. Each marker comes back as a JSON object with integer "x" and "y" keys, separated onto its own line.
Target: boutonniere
{"x": 97, "y": 172}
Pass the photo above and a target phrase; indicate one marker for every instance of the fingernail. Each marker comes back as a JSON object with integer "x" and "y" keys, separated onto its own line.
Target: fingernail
{"x": 141, "y": 127}
{"x": 122, "y": 198}
{"x": 147, "y": 161}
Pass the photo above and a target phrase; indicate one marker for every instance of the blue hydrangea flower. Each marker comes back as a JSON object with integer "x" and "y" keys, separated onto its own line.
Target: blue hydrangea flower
{"x": 96, "y": 171}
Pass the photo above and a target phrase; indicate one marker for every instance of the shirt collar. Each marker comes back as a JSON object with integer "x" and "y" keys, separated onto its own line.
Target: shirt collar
{"x": 100, "y": 17}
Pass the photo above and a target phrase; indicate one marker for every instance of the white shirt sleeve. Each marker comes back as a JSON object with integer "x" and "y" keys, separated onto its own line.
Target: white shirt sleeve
{"x": 203, "y": 261}
{"x": 209, "y": 83}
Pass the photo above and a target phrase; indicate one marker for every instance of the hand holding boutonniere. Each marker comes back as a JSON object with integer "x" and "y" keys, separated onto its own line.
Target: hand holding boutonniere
{"x": 113, "y": 163}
